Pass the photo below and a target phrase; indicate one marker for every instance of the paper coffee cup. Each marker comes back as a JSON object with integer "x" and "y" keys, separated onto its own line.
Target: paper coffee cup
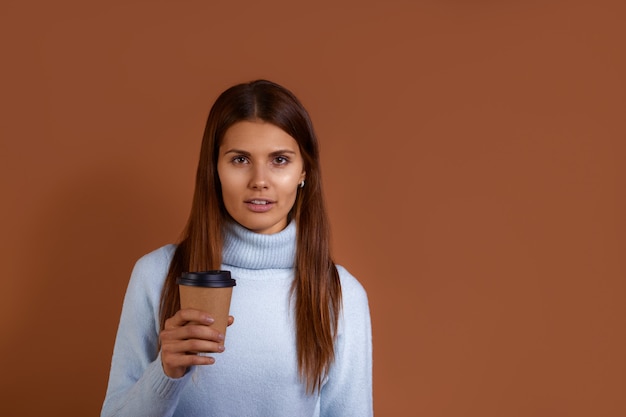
{"x": 209, "y": 291}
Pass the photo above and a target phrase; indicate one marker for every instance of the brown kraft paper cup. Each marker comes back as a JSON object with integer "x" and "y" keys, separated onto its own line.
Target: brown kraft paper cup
{"x": 209, "y": 291}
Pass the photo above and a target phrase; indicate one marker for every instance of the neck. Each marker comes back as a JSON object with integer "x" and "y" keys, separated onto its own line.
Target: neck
{"x": 246, "y": 249}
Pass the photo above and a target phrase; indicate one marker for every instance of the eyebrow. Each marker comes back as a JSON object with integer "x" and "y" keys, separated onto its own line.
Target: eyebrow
{"x": 274, "y": 153}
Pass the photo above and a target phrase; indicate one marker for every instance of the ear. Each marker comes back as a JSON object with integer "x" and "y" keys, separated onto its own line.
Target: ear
{"x": 302, "y": 177}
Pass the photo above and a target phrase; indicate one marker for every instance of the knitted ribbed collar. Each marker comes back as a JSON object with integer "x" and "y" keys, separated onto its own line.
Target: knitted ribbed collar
{"x": 246, "y": 249}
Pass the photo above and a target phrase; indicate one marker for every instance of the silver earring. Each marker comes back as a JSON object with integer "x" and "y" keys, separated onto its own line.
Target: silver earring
{"x": 302, "y": 184}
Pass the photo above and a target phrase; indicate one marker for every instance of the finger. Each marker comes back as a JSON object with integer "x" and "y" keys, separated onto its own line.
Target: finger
{"x": 185, "y": 315}
{"x": 191, "y": 346}
{"x": 191, "y": 331}
{"x": 175, "y": 366}
{"x": 231, "y": 320}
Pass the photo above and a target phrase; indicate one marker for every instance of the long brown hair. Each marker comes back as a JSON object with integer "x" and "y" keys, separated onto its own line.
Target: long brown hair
{"x": 316, "y": 289}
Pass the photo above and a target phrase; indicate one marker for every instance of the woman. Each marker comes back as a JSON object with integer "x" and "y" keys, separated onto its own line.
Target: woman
{"x": 301, "y": 344}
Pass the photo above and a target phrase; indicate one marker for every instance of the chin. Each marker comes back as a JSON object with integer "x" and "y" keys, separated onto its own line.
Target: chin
{"x": 264, "y": 228}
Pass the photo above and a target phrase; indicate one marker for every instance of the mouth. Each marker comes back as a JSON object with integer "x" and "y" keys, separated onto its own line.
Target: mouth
{"x": 259, "y": 205}
{"x": 257, "y": 201}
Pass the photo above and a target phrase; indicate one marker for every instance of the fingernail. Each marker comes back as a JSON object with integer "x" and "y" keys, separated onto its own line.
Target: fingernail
{"x": 208, "y": 319}
{"x": 220, "y": 348}
{"x": 220, "y": 336}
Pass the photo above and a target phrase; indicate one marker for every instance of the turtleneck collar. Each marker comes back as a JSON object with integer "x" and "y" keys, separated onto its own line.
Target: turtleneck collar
{"x": 246, "y": 249}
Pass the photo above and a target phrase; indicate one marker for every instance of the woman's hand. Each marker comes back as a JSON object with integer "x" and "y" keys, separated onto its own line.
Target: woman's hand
{"x": 185, "y": 334}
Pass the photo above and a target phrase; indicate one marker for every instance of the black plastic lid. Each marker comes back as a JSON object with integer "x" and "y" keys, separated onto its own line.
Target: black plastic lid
{"x": 207, "y": 279}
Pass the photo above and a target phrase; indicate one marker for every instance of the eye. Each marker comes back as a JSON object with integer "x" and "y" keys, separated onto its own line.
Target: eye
{"x": 238, "y": 160}
{"x": 281, "y": 160}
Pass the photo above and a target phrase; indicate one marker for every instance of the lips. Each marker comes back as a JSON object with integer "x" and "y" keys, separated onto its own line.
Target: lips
{"x": 259, "y": 205}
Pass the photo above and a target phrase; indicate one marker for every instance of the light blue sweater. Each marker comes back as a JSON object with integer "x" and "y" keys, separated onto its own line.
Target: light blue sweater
{"x": 257, "y": 374}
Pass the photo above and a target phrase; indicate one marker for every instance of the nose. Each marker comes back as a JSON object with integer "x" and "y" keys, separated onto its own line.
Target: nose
{"x": 259, "y": 179}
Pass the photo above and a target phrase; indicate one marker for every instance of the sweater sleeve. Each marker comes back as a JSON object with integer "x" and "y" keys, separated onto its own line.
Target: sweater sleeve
{"x": 348, "y": 388}
{"x": 137, "y": 384}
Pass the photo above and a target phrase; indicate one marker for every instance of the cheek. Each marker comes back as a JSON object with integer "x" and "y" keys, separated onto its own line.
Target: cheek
{"x": 293, "y": 177}
{"x": 230, "y": 195}
{"x": 229, "y": 180}
{"x": 289, "y": 189}
{"x": 287, "y": 186}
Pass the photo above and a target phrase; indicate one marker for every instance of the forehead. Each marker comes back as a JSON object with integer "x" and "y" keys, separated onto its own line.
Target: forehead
{"x": 257, "y": 135}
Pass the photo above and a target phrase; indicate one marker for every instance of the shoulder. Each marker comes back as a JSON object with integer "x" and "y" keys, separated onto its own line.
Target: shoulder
{"x": 146, "y": 282}
{"x": 355, "y": 318}
{"x": 352, "y": 291}
{"x": 151, "y": 269}
{"x": 157, "y": 259}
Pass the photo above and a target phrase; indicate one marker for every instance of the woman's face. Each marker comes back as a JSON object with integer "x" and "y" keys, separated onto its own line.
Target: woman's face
{"x": 260, "y": 167}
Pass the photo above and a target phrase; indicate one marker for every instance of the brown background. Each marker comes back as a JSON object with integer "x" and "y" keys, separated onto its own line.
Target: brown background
{"x": 473, "y": 157}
